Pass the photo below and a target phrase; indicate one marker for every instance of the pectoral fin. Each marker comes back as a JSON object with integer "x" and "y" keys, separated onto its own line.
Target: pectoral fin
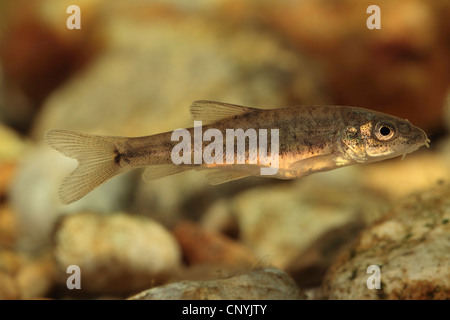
{"x": 313, "y": 164}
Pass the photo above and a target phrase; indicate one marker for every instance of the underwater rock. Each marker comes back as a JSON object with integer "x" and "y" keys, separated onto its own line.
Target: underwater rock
{"x": 269, "y": 283}
{"x": 12, "y": 148}
{"x": 32, "y": 277}
{"x": 7, "y": 171}
{"x": 219, "y": 218}
{"x": 116, "y": 253}
{"x": 203, "y": 246}
{"x": 410, "y": 245}
{"x": 9, "y": 231}
{"x": 8, "y": 287}
{"x": 311, "y": 264}
{"x": 208, "y": 271}
{"x": 36, "y": 277}
{"x": 10, "y": 261}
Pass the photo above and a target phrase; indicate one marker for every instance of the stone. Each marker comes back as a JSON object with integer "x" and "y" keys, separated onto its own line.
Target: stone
{"x": 409, "y": 245}
{"x": 204, "y": 246}
{"x": 117, "y": 253}
{"x": 263, "y": 284}
{"x": 310, "y": 266}
{"x": 36, "y": 278}
{"x": 207, "y": 271}
{"x": 7, "y": 171}
{"x": 9, "y": 227}
{"x": 218, "y": 217}
{"x": 10, "y": 261}
{"x": 8, "y": 287}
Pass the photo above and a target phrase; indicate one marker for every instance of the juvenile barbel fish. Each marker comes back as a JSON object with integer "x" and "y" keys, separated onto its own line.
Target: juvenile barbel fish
{"x": 311, "y": 139}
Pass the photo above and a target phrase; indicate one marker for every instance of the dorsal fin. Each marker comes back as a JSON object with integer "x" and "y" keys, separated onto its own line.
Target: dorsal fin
{"x": 210, "y": 111}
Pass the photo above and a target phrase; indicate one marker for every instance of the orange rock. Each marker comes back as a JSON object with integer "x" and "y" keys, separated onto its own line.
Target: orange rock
{"x": 8, "y": 287}
{"x": 7, "y": 171}
{"x": 203, "y": 246}
{"x": 409, "y": 245}
{"x": 207, "y": 271}
{"x": 259, "y": 284}
{"x": 37, "y": 278}
{"x": 10, "y": 261}
{"x": 9, "y": 232}
{"x": 116, "y": 253}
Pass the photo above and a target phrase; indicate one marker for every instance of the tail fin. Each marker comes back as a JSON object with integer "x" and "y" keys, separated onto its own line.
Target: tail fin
{"x": 96, "y": 157}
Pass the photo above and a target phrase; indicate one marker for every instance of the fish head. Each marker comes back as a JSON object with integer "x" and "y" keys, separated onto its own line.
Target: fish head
{"x": 376, "y": 136}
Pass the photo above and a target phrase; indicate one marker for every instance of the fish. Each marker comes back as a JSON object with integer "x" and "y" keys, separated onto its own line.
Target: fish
{"x": 311, "y": 139}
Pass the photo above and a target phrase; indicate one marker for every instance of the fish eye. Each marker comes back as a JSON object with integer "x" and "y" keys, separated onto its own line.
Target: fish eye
{"x": 384, "y": 131}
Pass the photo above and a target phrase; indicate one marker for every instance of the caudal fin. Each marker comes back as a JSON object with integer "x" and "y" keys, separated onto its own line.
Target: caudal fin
{"x": 96, "y": 157}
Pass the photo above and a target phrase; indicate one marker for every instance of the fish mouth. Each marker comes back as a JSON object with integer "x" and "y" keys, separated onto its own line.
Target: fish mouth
{"x": 426, "y": 143}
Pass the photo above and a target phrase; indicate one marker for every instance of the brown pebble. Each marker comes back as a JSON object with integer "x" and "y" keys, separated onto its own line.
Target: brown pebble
{"x": 203, "y": 246}
{"x": 262, "y": 284}
{"x": 10, "y": 261}
{"x": 116, "y": 253}
{"x": 8, "y": 227}
{"x": 7, "y": 171}
{"x": 36, "y": 278}
{"x": 408, "y": 246}
{"x": 8, "y": 287}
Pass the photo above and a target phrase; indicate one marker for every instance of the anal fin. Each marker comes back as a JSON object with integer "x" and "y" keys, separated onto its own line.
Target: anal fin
{"x": 162, "y": 170}
{"x": 221, "y": 176}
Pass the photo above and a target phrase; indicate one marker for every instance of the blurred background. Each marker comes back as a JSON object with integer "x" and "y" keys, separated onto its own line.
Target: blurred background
{"x": 133, "y": 69}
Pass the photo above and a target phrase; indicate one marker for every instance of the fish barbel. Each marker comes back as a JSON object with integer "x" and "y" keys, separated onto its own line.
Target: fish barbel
{"x": 311, "y": 139}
